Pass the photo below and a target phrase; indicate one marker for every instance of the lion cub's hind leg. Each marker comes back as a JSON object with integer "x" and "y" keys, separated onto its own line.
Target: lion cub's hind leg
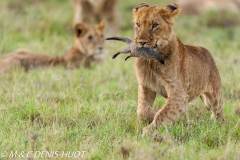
{"x": 213, "y": 102}
{"x": 9, "y": 63}
{"x": 205, "y": 100}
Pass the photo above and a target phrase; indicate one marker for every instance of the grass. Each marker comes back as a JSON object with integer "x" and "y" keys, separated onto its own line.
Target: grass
{"x": 95, "y": 110}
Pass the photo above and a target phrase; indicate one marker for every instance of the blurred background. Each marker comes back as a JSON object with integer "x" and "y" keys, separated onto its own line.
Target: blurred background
{"x": 94, "y": 109}
{"x": 49, "y": 18}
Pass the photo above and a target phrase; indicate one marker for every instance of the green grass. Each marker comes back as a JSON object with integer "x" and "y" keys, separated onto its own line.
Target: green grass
{"x": 95, "y": 110}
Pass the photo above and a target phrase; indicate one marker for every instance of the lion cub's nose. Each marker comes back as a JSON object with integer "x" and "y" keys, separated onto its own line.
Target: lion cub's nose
{"x": 141, "y": 42}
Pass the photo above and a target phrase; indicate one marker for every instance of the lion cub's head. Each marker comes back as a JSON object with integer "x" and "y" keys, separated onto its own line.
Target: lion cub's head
{"x": 153, "y": 25}
{"x": 90, "y": 39}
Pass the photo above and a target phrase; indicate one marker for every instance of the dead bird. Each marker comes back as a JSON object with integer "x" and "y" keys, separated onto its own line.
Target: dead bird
{"x": 137, "y": 51}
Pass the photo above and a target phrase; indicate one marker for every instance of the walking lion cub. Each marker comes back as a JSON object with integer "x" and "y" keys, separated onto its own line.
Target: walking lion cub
{"x": 188, "y": 71}
{"x": 88, "y": 48}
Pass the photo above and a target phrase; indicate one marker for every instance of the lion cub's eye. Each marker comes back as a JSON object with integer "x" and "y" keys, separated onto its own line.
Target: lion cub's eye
{"x": 138, "y": 25}
{"x": 90, "y": 37}
{"x": 154, "y": 25}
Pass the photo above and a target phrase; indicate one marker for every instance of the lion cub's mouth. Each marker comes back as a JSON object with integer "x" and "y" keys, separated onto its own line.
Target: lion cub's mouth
{"x": 148, "y": 46}
{"x": 99, "y": 55}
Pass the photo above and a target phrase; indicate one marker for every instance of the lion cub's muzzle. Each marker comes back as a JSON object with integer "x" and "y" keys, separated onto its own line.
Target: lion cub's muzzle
{"x": 144, "y": 43}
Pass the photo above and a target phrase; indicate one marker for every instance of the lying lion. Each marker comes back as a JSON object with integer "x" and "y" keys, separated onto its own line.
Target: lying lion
{"x": 182, "y": 75}
{"x": 88, "y": 48}
{"x": 93, "y": 11}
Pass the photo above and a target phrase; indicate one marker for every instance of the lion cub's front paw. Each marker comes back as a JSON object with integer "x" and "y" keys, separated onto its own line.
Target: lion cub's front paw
{"x": 148, "y": 130}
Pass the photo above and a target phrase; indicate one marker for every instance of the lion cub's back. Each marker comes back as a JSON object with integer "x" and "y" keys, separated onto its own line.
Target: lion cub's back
{"x": 201, "y": 68}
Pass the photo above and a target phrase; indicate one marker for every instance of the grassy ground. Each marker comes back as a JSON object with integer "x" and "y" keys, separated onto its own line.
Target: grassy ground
{"x": 95, "y": 110}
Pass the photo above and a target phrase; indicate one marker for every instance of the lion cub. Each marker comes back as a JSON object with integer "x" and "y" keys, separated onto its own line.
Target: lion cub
{"x": 88, "y": 48}
{"x": 188, "y": 71}
{"x": 93, "y": 11}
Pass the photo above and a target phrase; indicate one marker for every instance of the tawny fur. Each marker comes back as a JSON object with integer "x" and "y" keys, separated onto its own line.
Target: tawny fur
{"x": 93, "y": 11}
{"x": 188, "y": 72}
{"x": 88, "y": 48}
{"x": 200, "y": 6}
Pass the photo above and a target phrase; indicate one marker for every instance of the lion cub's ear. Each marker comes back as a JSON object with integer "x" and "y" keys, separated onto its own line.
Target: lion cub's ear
{"x": 101, "y": 25}
{"x": 170, "y": 12}
{"x": 141, "y": 5}
{"x": 79, "y": 29}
